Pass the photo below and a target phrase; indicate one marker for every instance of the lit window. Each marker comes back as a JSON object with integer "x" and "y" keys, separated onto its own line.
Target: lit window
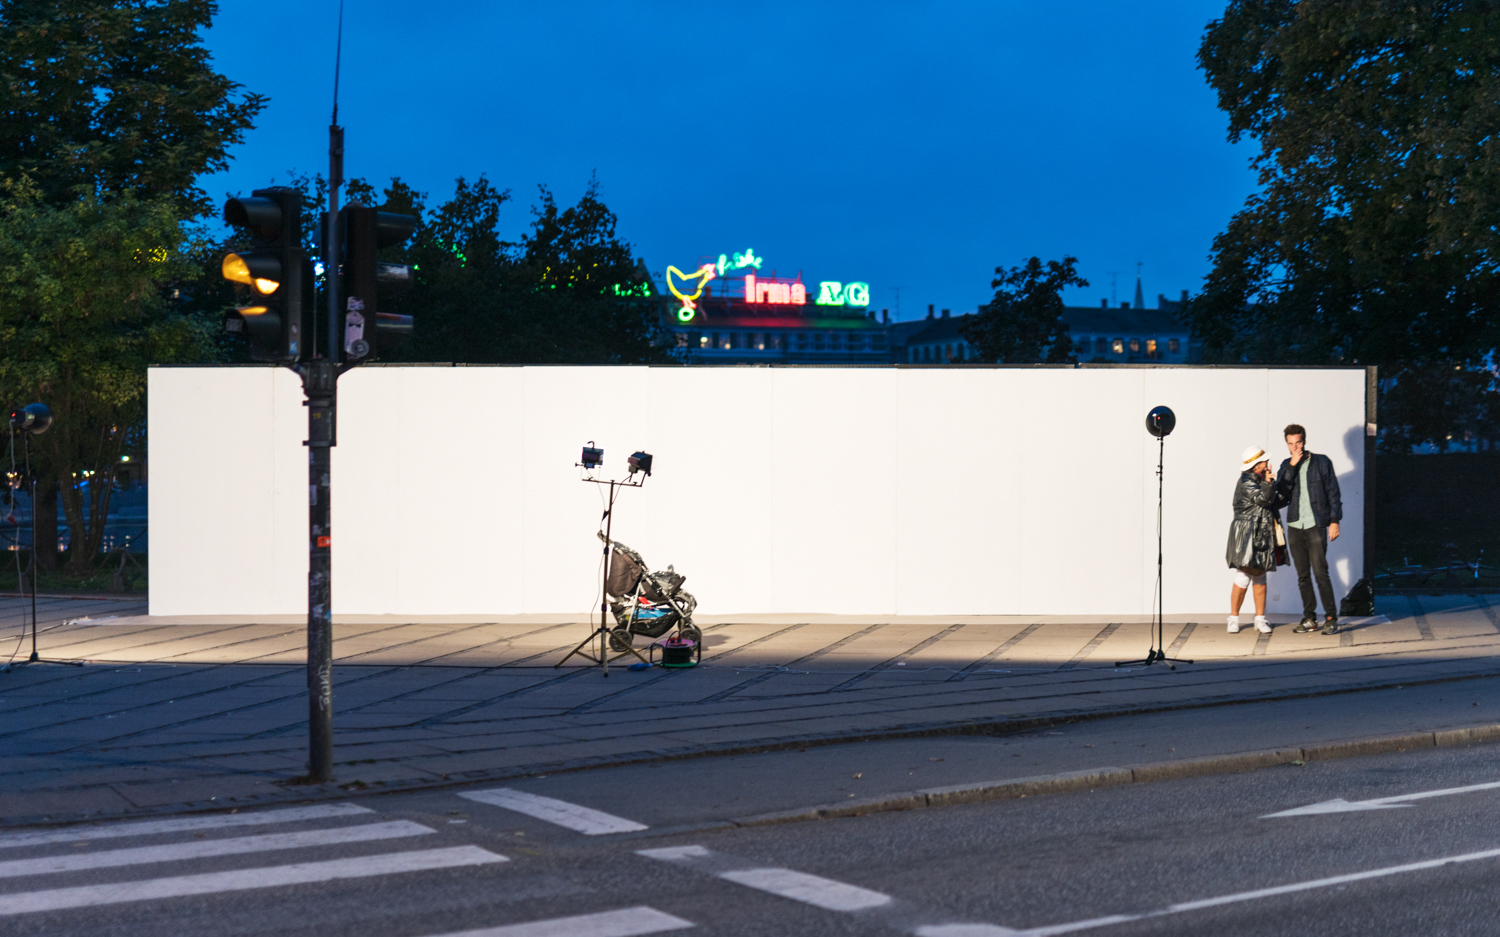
{"x": 703, "y": 341}
{"x": 1150, "y": 348}
{"x": 1173, "y": 346}
{"x": 1119, "y": 346}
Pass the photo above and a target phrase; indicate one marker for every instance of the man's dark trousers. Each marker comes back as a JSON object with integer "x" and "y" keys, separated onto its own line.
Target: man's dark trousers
{"x": 1309, "y": 549}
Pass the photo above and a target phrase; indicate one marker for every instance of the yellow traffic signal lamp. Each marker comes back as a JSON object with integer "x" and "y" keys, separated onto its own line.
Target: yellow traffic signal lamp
{"x": 261, "y": 271}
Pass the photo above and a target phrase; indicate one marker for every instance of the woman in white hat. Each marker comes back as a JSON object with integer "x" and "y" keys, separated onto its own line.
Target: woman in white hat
{"x": 1252, "y": 536}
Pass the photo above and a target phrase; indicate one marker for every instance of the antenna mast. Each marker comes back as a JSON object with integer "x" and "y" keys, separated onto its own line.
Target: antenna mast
{"x": 335, "y": 179}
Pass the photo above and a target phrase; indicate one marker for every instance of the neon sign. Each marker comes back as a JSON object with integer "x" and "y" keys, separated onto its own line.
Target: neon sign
{"x": 832, "y": 293}
{"x": 741, "y": 261}
{"x": 703, "y": 274}
{"x": 774, "y": 291}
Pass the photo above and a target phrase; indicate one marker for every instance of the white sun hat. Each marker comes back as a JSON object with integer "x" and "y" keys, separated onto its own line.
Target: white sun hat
{"x": 1252, "y": 456}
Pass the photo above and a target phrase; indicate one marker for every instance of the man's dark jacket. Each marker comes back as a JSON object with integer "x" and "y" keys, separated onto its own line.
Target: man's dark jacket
{"x": 1323, "y": 489}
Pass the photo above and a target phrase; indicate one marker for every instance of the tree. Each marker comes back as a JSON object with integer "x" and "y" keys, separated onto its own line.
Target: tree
{"x": 559, "y": 296}
{"x": 1023, "y": 323}
{"x": 86, "y": 304}
{"x": 1373, "y": 239}
{"x": 115, "y": 94}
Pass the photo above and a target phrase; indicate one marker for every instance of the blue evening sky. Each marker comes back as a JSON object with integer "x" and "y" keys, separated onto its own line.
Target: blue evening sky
{"x": 912, "y": 146}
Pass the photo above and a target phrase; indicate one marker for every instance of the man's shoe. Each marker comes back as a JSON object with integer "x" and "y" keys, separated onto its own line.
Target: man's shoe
{"x": 1308, "y": 625}
{"x": 1330, "y": 625}
{"x": 1261, "y": 625}
{"x": 1234, "y": 624}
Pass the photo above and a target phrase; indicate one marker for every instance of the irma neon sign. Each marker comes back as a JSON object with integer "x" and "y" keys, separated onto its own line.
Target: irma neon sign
{"x": 760, "y": 290}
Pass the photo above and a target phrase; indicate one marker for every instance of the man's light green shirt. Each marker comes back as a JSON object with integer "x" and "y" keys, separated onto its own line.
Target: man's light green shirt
{"x": 1305, "y": 518}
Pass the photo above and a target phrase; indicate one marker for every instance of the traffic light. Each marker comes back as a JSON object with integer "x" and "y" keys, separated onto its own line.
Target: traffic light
{"x": 366, "y": 329}
{"x": 274, "y": 275}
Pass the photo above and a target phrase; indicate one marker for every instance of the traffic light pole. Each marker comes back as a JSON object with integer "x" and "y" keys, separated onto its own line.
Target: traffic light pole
{"x": 319, "y": 383}
{"x": 319, "y": 378}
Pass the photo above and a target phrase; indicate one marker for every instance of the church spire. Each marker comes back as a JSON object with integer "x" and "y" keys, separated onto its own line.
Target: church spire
{"x": 1140, "y": 297}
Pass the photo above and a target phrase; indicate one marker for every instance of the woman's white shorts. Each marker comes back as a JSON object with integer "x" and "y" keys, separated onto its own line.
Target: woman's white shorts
{"x": 1243, "y": 581}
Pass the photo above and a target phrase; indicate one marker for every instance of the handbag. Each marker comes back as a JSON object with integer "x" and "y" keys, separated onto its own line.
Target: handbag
{"x": 1280, "y": 543}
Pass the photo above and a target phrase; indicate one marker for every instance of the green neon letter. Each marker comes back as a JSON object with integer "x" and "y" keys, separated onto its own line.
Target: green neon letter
{"x": 830, "y": 293}
{"x": 857, "y": 294}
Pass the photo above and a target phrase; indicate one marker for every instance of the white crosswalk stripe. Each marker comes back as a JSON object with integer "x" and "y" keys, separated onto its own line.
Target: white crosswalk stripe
{"x": 208, "y": 883}
{"x": 203, "y": 848}
{"x": 809, "y": 889}
{"x": 798, "y": 886}
{"x": 626, "y": 922}
{"x": 585, "y": 820}
{"x": 75, "y": 834}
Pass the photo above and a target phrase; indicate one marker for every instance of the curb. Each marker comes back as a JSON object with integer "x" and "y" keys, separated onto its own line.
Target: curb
{"x": 1093, "y": 778}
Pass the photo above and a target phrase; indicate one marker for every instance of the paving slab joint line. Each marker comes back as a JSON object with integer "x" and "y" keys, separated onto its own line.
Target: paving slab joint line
{"x": 1094, "y": 778}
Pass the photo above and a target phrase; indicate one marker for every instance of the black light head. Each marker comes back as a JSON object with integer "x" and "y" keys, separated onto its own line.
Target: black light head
{"x": 592, "y": 458}
{"x": 34, "y": 418}
{"x": 640, "y": 462}
{"x": 1161, "y": 421}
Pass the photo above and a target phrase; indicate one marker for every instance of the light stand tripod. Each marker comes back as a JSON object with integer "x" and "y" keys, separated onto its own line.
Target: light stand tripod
{"x": 32, "y": 420}
{"x": 1159, "y": 423}
{"x": 603, "y": 634}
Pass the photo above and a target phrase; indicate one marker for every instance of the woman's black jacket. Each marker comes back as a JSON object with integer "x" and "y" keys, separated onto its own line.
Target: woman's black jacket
{"x": 1252, "y": 533}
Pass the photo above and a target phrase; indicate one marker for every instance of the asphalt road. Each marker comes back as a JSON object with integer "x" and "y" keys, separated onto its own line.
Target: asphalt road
{"x": 430, "y": 863}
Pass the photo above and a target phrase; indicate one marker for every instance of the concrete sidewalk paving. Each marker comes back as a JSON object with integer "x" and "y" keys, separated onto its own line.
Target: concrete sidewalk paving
{"x": 210, "y": 712}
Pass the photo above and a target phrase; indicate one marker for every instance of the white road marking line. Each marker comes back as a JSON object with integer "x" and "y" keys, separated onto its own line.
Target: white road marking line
{"x": 75, "y": 834}
{"x": 626, "y": 922}
{"x": 585, "y": 820}
{"x": 1339, "y": 805}
{"x": 809, "y": 889}
{"x": 943, "y": 930}
{"x": 245, "y": 879}
{"x": 798, "y": 886}
{"x": 203, "y": 848}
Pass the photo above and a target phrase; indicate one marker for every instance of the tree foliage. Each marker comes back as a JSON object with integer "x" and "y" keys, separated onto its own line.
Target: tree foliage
{"x": 554, "y": 297}
{"x": 1023, "y": 323}
{"x": 114, "y": 94}
{"x": 85, "y": 305}
{"x": 1373, "y": 239}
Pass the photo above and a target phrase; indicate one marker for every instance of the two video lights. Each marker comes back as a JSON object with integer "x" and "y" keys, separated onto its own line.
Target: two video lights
{"x": 593, "y": 457}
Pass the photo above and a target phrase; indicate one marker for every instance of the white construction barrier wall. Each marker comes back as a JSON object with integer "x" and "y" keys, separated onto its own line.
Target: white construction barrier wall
{"x": 881, "y": 490}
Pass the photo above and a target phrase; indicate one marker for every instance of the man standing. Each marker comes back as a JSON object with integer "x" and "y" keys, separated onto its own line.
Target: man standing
{"x": 1308, "y": 487}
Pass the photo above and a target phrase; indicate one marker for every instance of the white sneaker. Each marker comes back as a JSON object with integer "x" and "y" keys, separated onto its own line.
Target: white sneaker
{"x": 1261, "y": 625}
{"x": 1234, "y": 624}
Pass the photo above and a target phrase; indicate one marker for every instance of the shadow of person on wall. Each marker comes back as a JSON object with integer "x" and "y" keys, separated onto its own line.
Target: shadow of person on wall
{"x": 1346, "y": 547}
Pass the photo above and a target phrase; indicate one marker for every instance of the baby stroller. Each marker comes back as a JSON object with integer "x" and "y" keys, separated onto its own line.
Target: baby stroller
{"x": 646, "y": 603}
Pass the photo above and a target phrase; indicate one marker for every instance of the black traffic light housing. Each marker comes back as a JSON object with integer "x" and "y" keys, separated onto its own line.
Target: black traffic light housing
{"x": 274, "y": 275}
{"x": 365, "y": 232}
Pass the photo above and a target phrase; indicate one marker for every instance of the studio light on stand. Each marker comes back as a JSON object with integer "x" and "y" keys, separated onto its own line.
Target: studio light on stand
{"x": 31, "y": 420}
{"x": 639, "y": 465}
{"x": 1159, "y": 423}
